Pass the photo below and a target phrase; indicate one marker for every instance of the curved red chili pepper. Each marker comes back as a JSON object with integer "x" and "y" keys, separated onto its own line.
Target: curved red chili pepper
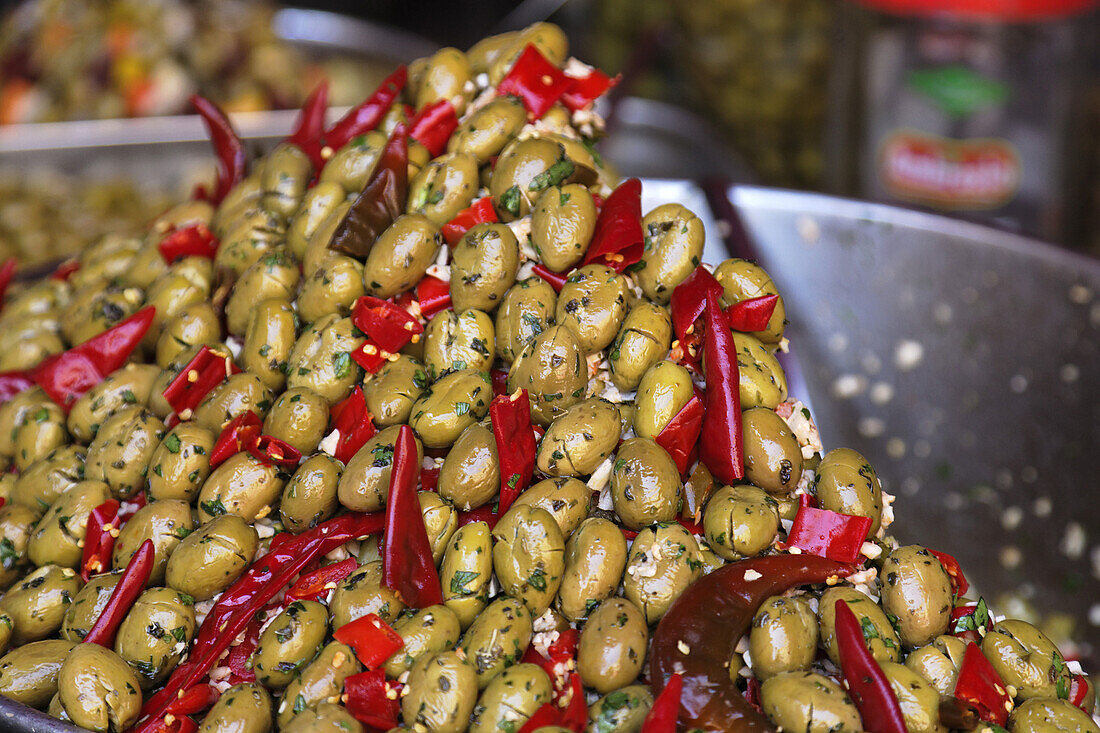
{"x": 868, "y": 685}
{"x": 433, "y": 125}
{"x": 369, "y": 114}
{"x": 661, "y": 718}
{"x": 487, "y": 514}
{"x": 680, "y": 436}
{"x": 372, "y": 700}
{"x": 511, "y": 418}
{"x": 65, "y": 270}
{"x": 195, "y": 700}
{"x": 351, "y": 418}
{"x": 7, "y": 272}
{"x": 618, "y": 240}
{"x": 99, "y": 543}
{"x": 228, "y": 147}
{"x": 752, "y": 314}
{"x": 239, "y": 434}
{"x": 204, "y": 372}
{"x": 697, "y": 635}
{"x": 959, "y": 583}
{"x": 689, "y": 299}
{"x": 407, "y": 564}
{"x": 312, "y": 586}
{"x": 194, "y": 241}
{"x": 12, "y": 383}
{"x": 381, "y": 201}
{"x": 129, "y": 587}
{"x": 721, "y": 447}
{"x": 311, "y": 125}
{"x": 556, "y": 280}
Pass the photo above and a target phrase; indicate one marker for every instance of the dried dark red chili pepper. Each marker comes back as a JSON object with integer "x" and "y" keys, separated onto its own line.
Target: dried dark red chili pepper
{"x": 556, "y": 280}
{"x": 129, "y": 587}
{"x": 65, "y": 377}
{"x": 954, "y": 571}
{"x": 194, "y": 241}
{"x": 479, "y": 212}
{"x": 680, "y": 436}
{"x": 195, "y": 700}
{"x": 536, "y": 81}
{"x": 7, "y": 272}
{"x": 239, "y": 434}
{"x": 315, "y": 585}
{"x": 433, "y": 294}
{"x": 829, "y": 534}
{"x": 380, "y": 203}
{"x": 369, "y": 114}
{"x": 273, "y": 452}
{"x": 868, "y": 685}
{"x": 666, "y": 708}
{"x": 585, "y": 90}
{"x": 752, "y": 314}
{"x": 311, "y": 126}
{"x": 689, "y": 299}
{"x": 388, "y": 326}
{"x": 432, "y": 126}
{"x": 721, "y": 447}
{"x": 228, "y": 148}
{"x": 350, "y": 417}
{"x": 99, "y": 542}
{"x": 12, "y": 383}
{"x": 979, "y": 685}
{"x": 240, "y": 602}
{"x": 511, "y": 418}
{"x": 65, "y": 270}
{"x": 618, "y": 240}
{"x": 408, "y": 568}
{"x": 697, "y": 636}
{"x": 372, "y": 639}
{"x": 372, "y": 700}
{"x": 204, "y": 372}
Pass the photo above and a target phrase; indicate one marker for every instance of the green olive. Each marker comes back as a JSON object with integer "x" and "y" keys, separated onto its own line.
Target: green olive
{"x": 321, "y": 679}
{"x": 773, "y": 458}
{"x": 470, "y": 475}
{"x": 17, "y": 409}
{"x": 454, "y": 341}
{"x": 595, "y": 557}
{"x": 187, "y": 282}
{"x": 878, "y": 633}
{"x": 365, "y": 483}
{"x": 485, "y": 52}
{"x": 783, "y": 637}
{"x": 237, "y": 395}
{"x": 483, "y": 267}
{"x": 96, "y": 309}
{"x": 762, "y": 382}
{"x": 642, "y": 342}
{"x": 917, "y": 590}
{"x": 808, "y": 701}
{"x": 440, "y": 521}
{"x": 327, "y": 716}
{"x": 28, "y": 673}
{"x": 98, "y": 690}
{"x": 130, "y": 385}
{"x": 290, "y": 642}
{"x": 740, "y": 521}
{"x": 332, "y": 287}
{"x": 155, "y": 634}
{"x": 58, "y": 537}
{"x": 211, "y": 558}
{"x": 321, "y": 200}
{"x": 562, "y": 222}
{"x": 243, "y": 197}
{"x": 566, "y": 499}
{"x": 553, "y": 370}
{"x": 194, "y": 324}
{"x": 511, "y": 699}
{"x": 1050, "y": 715}
{"x": 298, "y": 417}
{"x": 428, "y": 631}
{"x": 526, "y": 310}
{"x": 529, "y": 556}
{"x": 361, "y": 593}
{"x": 245, "y": 708}
{"x": 580, "y": 439}
{"x": 286, "y": 173}
{"x": 446, "y": 76}
{"x": 41, "y": 432}
{"x": 444, "y": 187}
{"x": 939, "y": 662}
{"x": 321, "y": 358}
{"x": 166, "y": 523}
{"x": 317, "y": 249}
{"x": 48, "y": 478}
{"x": 352, "y": 165}
{"x": 450, "y": 405}
{"x": 497, "y": 638}
{"x": 37, "y": 603}
{"x": 919, "y": 701}
{"x": 664, "y": 560}
{"x": 592, "y": 303}
{"x": 181, "y": 463}
{"x": 743, "y": 280}
{"x": 524, "y": 169}
{"x": 673, "y": 249}
{"x": 847, "y": 483}
{"x": 247, "y": 240}
{"x": 645, "y": 484}
{"x": 401, "y": 256}
{"x": 663, "y": 391}
{"x": 390, "y": 394}
{"x": 268, "y": 339}
{"x": 310, "y": 497}
{"x": 243, "y": 485}
{"x": 275, "y": 275}
{"x": 88, "y": 605}
{"x": 466, "y": 571}
{"x": 119, "y": 454}
{"x": 485, "y": 133}
{"x": 1025, "y": 658}
{"x": 623, "y": 710}
{"x": 612, "y": 645}
{"x": 442, "y": 691}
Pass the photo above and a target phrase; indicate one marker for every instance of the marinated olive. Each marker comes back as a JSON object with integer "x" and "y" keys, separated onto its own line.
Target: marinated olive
{"x": 808, "y": 701}
{"x": 592, "y": 304}
{"x": 673, "y": 248}
{"x": 645, "y": 484}
{"x": 29, "y": 673}
{"x": 566, "y": 499}
{"x": 526, "y": 310}
{"x": 442, "y": 692}
{"x": 773, "y": 458}
{"x": 470, "y": 475}
{"x": 361, "y": 593}
{"x": 917, "y": 590}
{"x": 210, "y": 559}
{"x": 483, "y": 267}
{"x": 497, "y": 638}
{"x": 511, "y": 699}
{"x": 365, "y": 483}
{"x": 401, "y": 256}
{"x": 37, "y": 604}
{"x": 743, "y": 280}
{"x": 612, "y": 645}
{"x": 1024, "y": 658}
{"x": 428, "y": 631}
{"x": 663, "y": 561}
{"x": 553, "y": 371}
{"x": 595, "y": 557}
{"x": 783, "y": 637}
{"x": 740, "y": 521}
{"x": 455, "y": 341}
{"x": 466, "y": 571}
{"x": 919, "y": 701}
{"x": 580, "y": 439}
{"x": 528, "y": 556}
{"x": 878, "y": 633}
{"x": 244, "y": 708}
{"x": 562, "y": 222}
{"x": 98, "y": 690}
{"x": 846, "y": 483}
{"x": 450, "y": 405}
{"x": 290, "y": 642}
{"x": 166, "y": 523}
{"x": 322, "y": 679}
{"x": 393, "y": 390}
{"x": 181, "y": 463}
{"x": 155, "y": 634}
{"x": 310, "y": 496}
{"x": 663, "y": 390}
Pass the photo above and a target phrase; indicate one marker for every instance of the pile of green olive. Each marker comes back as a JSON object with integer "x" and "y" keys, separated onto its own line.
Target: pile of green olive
{"x": 594, "y": 544}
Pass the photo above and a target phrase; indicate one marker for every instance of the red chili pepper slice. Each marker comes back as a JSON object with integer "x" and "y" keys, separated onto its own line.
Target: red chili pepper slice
{"x": 511, "y": 418}
{"x": 204, "y": 372}
{"x": 381, "y": 201}
{"x": 575, "y": 717}
{"x": 65, "y": 377}
{"x": 1078, "y": 690}
{"x": 65, "y": 270}
{"x": 721, "y": 447}
{"x": 829, "y": 534}
{"x": 237, "y": 659}
{"x": 313, "y": 586}
{"x": 479, "y": 212}
{"x": 666, "y": 708}
{"x": 7, "y": 272}
{"x": 959, "y": 583}
{"x": 228, "y": 147}
{"x": 99, "y": 543}
{"x": 273, "y": 452}
{"x": 807, "y": 500}
{"x": 372, "y": 700}
{"x": 752, "y": 314}
{"x": 432, "y": 126}
{"x": 12, "y": 383}
{"x": 499, "y": 378}
{"x": 689, "y": 299}
{"x": 178, "y": 724}
{"x": 408, "y": 568}
{"x": 369, "y": 357}
{"x": 351, "y": 418}
{"x": 239, "y": 434}
{"x": 979, "y": 685}
{"x": 547, "y": 715}
{"x": 585, "y": 90}
{"x": 680, "y": 436}
{"x": 387, "y": 325}
{"x": 195, "y": 700}
{"x": 433, "y": 294}
{"x": 970, "y": 621}
{"x": 129, "y": 587}
{"x": 372, "y": 639}
{"x": 487, "y": 514}
{"x": 311, "y": 126}
{"x": 194, "y": 241}
{"x": 617, "y": 239}
{"x": 369, "y": 114}
{"x": 556, "y": 280}
{"x": 536, "y": 81}
{"x": 868, "y": 685}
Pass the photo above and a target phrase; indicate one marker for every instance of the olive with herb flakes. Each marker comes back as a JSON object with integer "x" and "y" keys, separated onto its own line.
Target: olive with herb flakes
{"x": 740, "y": 521}
{"x": 592, "y": 304}
{"x": 511, "y": 699}
{"x": 455, "y": 340}
{"x": 98, "y": 690}
{"x": 612, "y": 645}
{"x": 562, "y": 223}
{"x": 269, "y": 338}
{"x": 442, "y": 691}
{"x": 878, "y": 633}
{"x": 28, "y": 673}
{"x": 664, "y": 560}
{"x": 483, "y": 267}
{"x": 181, "y": 463}
{"x": 466, "y": 571}
{"x": 244, "y": 708}
{"x": 553, "y": 370}
{"x": 595, "y": 557}
{"x": 390, "y": 394}
{"x": 88, "y": 605}
{"x": 645, "y": 484}
{"x": 290, "y": 642}
{"x": 155, "y": 634}
{"x": 526, "y": 310}
{"x": 528, "y": 556}
{"x": 580, "y": 439}
{"x": 119, "y": 454}
{"x": 497, "y": 638}
{"x": 310, "y": 496}
{"x": 428, "y": 631}
{"x": 621, "y": 711}
{"x": 566, "y": 499}
{"x": 165, "y": 523}
{"x": 37, "y": 603}
{"x": 210, "y": 559}
{"x": 321, "y": 679}
{"x": 917, "y": 592}
{"x": 361, "y": 593}
{"x": 58, "y": 537}
{"x": 673, "y": 249}
{"x": 450, "y": 405}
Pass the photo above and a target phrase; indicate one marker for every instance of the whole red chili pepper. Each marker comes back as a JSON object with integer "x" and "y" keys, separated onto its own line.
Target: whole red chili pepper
{"x": 979, "y": 685}
{"x": 666, "y": 708}
{"x": 479, "y": 212}
{"x": 556, "y": 280}
{"x": 65, "y": 377}
{"x": 372, "y": 700}
{"x": 194, "y": 241}
{"x": 721, "y": 445}
{"x": 312, "y": 586}
{"x": 618, "y": 240}
{"x": 273, "y": 452}
{"x": 369, "y": 114}
{"x": 129, "y": 587}
{"x": 239, "y": 434}
{"x": 697, "y": 635}
{"x": 389, "y": 327}
{"x": 959, "y": 583}
{"x": 829, "y": 534}
{"x": 868, "y": 685}
{"x": 311, "y": 126}
{"x": 584, "y": 90}
{"x": 680, "y": 436}
{"x": 752, "y": 314}
{"x": 408, "y": 568}
{"x": 433, "y": 294}
{"x": 350, "y": 417}
{"x": 433, "y": 125}
{"x": 689, "y": 299}
{"x": 227, "y": 147}
{"x": 536, "y": 81}
{"x": 12, "y": 383}
{"x": 372, "y": 639}
{"x": 239, "y": 603}
{"x": 204, "y": 372}
{"x": 511, "y": 418}
{"x": 381, "y": 201}
{"x": 99, "y": 542}
{"x": 7, "y": 271}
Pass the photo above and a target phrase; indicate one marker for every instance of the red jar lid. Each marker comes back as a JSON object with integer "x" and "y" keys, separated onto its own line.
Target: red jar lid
{"x": 997, "y": 10}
